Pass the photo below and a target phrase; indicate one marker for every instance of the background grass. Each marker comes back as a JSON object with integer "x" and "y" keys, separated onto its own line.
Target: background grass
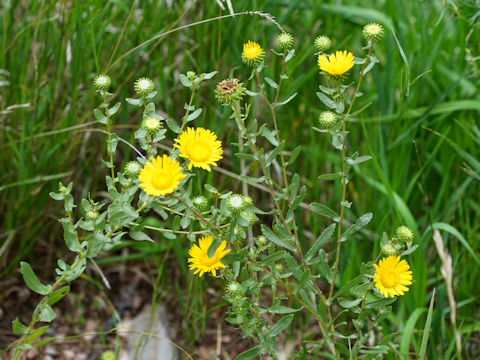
{"x": 422, "y": 128}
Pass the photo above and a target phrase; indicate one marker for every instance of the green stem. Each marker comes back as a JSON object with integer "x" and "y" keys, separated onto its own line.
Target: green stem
{"x": 344, "y": 168}
{"x": 184, "y": 119}
{"x": 109, "y": 131}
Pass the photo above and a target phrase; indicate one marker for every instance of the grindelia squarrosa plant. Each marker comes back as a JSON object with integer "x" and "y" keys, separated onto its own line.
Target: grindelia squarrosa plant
{"x": 272, "y": 278}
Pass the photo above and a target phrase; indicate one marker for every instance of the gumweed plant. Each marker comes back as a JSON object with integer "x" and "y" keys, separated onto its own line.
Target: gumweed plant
{"x": 270, "y": 276}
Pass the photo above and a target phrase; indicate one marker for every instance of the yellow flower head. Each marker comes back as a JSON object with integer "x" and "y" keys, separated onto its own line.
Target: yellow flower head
{"x": 200, "y": 146}
{"x": 392, "y": 276}
{"x": 251, "y": 50}
{"x": 201, "y": 262}
{"x": 337, "y": 64}
{"x": 160, "y": 176}
{"x": 252, "y": 54}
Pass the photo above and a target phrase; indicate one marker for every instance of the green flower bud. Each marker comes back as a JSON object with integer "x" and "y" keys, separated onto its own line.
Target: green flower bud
{"x": 250, "y": 216}
{"x": 405, "y": 235}
{"x": 389, "y": 249}
{"x": 234, "y": 288}
{"x": 200, "y": 202}
{"x": 261, "y": 240}
{"x": 327, "y": 119}
{"x": 152, "y": 125}
{"x": 235, "y": 203}
{"x": 108, "y": 355}
{"x": 323, "y": 43}
{"x": 247, "y": 200}
{"x": 143, "y": 86}
{"x": 132, "y": 169}
{"x": 191, "y": 75}
{"x": 285, "y": 41}
{"x": 373, "y": 32}
{"x": 92, "y": 215}
{"x": 63, "y": 189}
{"x": 228, "y": 92}
{"x": 102, "y": 82}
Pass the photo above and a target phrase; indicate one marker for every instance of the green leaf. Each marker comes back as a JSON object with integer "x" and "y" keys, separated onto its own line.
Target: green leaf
{"x": 36, "y": 333}
{"x": 208, "y": 76}
{"x": 347, "y": 304}
{"x": 194, "y": 115}
{"x": 18, "y": 327}
{"x": 121, "y": 214}
{"x": 279, "y": 309}
{"x": 271, "y": 236}
{"x": 57, "y": 295}
{"x": 332, "y": 176}
{"x": 250, "y": 353}
{"x": 47, "y": 314}
{"x": 290, "y": 55}
{"x": 102, "y": 119}
{"x": 325, "y": 210}
{"x": 272, "y": 83}
{"x": 172, "y": 126}
{"x": 286, "y": 101}
{"x": 32, "y": 281}
{"x": 426, "y": 329}
{"x": 281, "y": 325}
{"x": 274, "y": 257}
{"x": 294, "y": 155}
{"x": 184, "y": 80}
{"x": 328, "y": 102}
{"x": 114, "y": 109}
{"x": 320, "y": 241}
{"x": 134, "y": 102}
{"x": 295, "y": 203}
{"x": 56, "y": 196}
{"x": 70, "y": 235}
{"x": 360, "y": 223}
{"x": 274, "y": 153}
{"x": 358, "y": 160}
{"x": 140, "y": 236}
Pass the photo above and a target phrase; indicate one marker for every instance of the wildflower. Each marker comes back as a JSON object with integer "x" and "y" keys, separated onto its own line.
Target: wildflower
{"x": 200, "y": 146}
{"x": 200, "y": 202}
{"x": 132, "y": 169}
{"x": 228, "y": 92}
{"x": 389, "y": 249}
{"x": 250, "y": 216}
{"x": 261, "y": 240}
{"x": 235, "y": 203}
{"x": 191, "y": 75}
{"x": 405, "y": 235}
{"x": 323, "y": 43}
{"x": 143, "y": 86}
{"x": 152, "y": 125}
{"x": 102, "y": 82}
{"x": 160, "y": 176}
{"x": 373, "y": 32}
{"x": 108, "y": 355}
{"x": 327, "y": 119}
{"x": 234, "y": 288}
{"x": 201, "y": 262}
{"x": 253, "y": 54}
{"x": 392, "y": 276}
{"x": 336, "y": 64}
{"x": 247, "y": 200}
{"x": 285, "y": 41}
{"x": 92, "y": 215}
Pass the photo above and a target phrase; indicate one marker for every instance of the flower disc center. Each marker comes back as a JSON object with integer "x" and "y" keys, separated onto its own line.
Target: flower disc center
{"x": 199, "y": 151}
{"x": 390, "y": 279}
{"x": 162, "y": 180}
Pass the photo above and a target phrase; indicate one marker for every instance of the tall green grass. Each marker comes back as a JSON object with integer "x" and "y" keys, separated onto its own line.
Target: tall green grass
{"x": 421, "y": 129}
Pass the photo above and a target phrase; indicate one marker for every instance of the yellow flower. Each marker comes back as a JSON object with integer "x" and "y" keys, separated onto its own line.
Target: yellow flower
{"x": 337, "y": 64}
{"x": 392, "y": 276}
{"x": 201, "y": 261}
{"x": 252, "y": 54}
{"x": 251, "y": 50}
{"x": 160, "y": 176}
{"x": 200, "y": 146}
